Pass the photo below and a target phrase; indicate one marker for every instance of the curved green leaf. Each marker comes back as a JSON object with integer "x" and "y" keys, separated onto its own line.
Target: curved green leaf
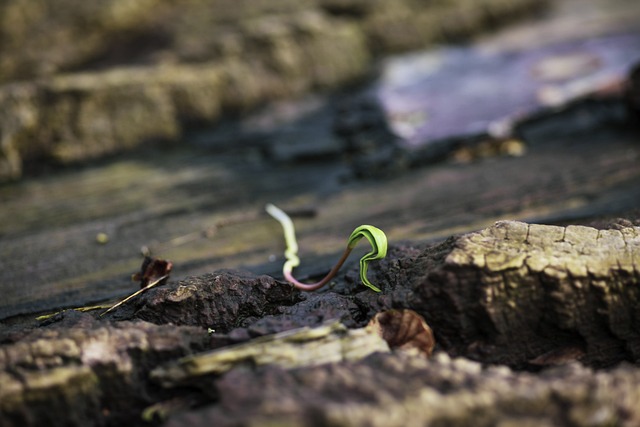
{"x": 375, "y": 236}
{"x": 378, "y": 241}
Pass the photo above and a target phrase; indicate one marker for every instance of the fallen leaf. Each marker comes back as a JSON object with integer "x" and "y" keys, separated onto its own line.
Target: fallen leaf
{"x": 404, "y": 330}
{"x": 153, "y": 272}
{"x": 152, "y": 269}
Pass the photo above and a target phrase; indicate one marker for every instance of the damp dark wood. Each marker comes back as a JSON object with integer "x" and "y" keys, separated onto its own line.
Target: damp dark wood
{"x": 502, "y": 302}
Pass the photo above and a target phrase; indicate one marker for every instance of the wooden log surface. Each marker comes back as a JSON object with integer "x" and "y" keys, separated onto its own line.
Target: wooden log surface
{"x": 511, "y": 296}
{"x": 210, "y": 216}
{"x": 104, "y": 78}
{"x": 525, "y": 268}
{"x": 540, "y": 292}
{"x": 418, "y": 392}
{"x": 74, "y": 237}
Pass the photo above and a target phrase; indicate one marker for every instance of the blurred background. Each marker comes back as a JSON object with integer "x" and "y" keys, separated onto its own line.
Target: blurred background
{"x": 162, "y": 127}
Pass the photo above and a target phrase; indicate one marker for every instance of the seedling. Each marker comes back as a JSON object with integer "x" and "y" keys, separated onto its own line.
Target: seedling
{"x": 375, "y": 236}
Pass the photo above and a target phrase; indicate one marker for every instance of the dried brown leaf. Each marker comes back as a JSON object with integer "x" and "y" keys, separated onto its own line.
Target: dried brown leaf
{"x": 404, "y": 330}
{"x": 151, "y": 270}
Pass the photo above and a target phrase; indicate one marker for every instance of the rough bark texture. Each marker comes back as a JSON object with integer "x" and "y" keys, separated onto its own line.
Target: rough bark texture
{"x": 511, "y": 296}
{"x": 221, "y": 301}
{"x": 87, "y": 115}
{"x": 515, "y": 292}
{"x": 96, "y": 79}
{"x": 505, "y": 304}
{"x": 396, "y": 390}
{"x": 330, "y": 343}
{"x": 76, "y": 35}
{"x": 84, "y": 372}
{"x": 204, "y": 210}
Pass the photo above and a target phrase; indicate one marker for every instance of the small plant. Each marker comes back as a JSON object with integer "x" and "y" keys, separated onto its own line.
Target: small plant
{"x": 375, "y": 236}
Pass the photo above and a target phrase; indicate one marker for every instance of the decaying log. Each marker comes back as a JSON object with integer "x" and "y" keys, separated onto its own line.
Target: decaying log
{"x": 238, "y": 306}
{"x": 525, "y": 296}
{"x": 400, "y": 390}
{"x": 84, "y": 372}
{"x": 221, "y": 301}
{"x": 90, "y": 369}
{"x": 328, "y": 343}
{"x": 288, "y": 49}
{"x": 515, "y": 292}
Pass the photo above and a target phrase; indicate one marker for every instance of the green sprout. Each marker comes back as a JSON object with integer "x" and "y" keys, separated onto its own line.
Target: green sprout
{"x": 375, "y": 236}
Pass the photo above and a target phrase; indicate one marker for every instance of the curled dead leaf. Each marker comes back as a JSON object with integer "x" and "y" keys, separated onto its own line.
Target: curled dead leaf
{"x": 151, "y": 270}
{"x": 404, "y": 330}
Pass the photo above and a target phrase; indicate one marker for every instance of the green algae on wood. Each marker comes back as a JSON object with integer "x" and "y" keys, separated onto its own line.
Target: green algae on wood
{"x": 331, "y": 342}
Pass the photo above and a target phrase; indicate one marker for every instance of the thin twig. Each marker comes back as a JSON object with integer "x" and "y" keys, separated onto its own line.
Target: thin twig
{"x": 82, "y": 309}
{"x": 135, "y": 294}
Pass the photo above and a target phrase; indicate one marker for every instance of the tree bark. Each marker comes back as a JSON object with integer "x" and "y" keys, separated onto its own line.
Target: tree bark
{"x": 84, "y": 372}
{"x": 516, "y": 297}
{"x": 231, "y": 58}
{"x": 396, "y": 390}
{"x": 515, "y": 292}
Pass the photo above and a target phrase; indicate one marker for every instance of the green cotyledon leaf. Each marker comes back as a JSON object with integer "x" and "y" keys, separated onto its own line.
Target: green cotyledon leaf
{"x": 378, "y": 241}
{"x": 375, "y": 236}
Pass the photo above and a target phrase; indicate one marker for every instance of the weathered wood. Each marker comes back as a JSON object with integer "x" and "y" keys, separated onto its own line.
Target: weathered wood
{"x": 519, "y": 294}
{"x": 180, "y": 202}
{"x": 553, "y": 297}
{"x": 157, "y": 31}
{"x": 81, "y": 116}
{"x": 221, "y": 301}
{"x": 50, "y": 257}
{"x": 396, "y": 390}
{"x": 83, "y": 372}
{"x": 193, "y": 62}
{"x": 516, "y": 291}
{"x": 329, "y": 343}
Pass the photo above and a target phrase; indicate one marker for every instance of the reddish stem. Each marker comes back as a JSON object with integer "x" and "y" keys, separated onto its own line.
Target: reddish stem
{"x": 313, "y": 286}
